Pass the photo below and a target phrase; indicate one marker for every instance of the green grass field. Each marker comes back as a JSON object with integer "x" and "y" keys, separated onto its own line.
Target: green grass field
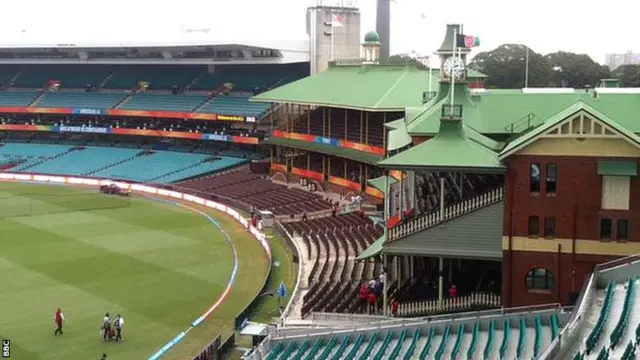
{"x": 159, "y": 265}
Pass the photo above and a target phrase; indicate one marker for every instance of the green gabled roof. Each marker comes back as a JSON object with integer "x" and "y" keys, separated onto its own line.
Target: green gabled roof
{"x": 362, "y": 87}
{"x": 498, "y": 109}
{"x": 394, "y": 124}
{"x": 531, "y": 136}
{"x": 450, "y": 149}
{"x": 379, "y": 182}
{"x": 374, "y": 249}
{"x": 354, "y": 155}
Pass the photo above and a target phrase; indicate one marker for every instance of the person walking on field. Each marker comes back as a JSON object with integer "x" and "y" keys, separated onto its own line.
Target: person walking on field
{"x": 106, "y": 327}
{"x": 58, "y": 319}
{"x": 119, "y": 324}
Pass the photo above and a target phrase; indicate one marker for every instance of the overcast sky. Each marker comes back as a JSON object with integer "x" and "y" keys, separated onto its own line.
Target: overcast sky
{"x": 544, "y": 25}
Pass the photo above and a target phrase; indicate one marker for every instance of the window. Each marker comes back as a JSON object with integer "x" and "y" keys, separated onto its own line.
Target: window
{"x": 615, "y": 192}
{"x": 623, "y": 229}
{"x": 551, "y": 179}
{"x": 534, "y": 226}
{"x": 549, "y": 227}
{"x": 539, "y": 279}
{"x": 534, "y": 178}
{"x": 605, "y": 229}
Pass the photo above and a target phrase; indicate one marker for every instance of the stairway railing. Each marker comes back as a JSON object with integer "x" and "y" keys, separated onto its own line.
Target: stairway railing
{"x": 429, "y": 220}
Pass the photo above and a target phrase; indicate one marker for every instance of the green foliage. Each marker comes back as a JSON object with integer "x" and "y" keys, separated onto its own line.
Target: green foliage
{"x": 629, "y": 75}
{"x": 506, "y": 65}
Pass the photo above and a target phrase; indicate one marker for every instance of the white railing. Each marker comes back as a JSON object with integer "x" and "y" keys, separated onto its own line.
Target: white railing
{"x": 483, "y": 300}
{"x": 426, "y": 221}
{"x": 295, "y": 295}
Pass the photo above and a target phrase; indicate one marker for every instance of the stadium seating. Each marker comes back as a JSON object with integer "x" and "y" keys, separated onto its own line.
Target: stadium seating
{"x": 24, "y": 156}
{"x": 159, "y": 77}
{"x": 7, "y": 73}
{"x": 596, "y": 333}
{"x": 65, "y": 99}
{"x": 261, "y": 193}
{"x": 371, "y": 134}
{"x": 198, "y": 169}
{"x": 163, "y": 102}
{"x": 416, "y": 340}
{"x": 18, "y": 98}
{"x": 84, "y": 160}
{"x": 332, "y": 243}
{"x": 234, "y": 105}
{"x": 69, "y": 76}
{"x": 243, "y": 78}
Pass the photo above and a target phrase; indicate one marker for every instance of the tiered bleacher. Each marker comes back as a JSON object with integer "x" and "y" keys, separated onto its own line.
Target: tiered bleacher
{"x": 371, "y": 134}
{"x": 113, "y": 84}
{"x": 111, "y": 162}
{"x": 257, "y": 191}
{"x": 519, "y": 335}
{"x": 332, "y": 244}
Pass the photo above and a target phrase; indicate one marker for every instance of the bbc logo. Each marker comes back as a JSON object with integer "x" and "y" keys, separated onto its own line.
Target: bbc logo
{"x": 6, "y": 349}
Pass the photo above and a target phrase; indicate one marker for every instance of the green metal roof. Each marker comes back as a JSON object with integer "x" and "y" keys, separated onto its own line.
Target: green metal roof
{"x": 354, "y": 155}
{"x": 450, "y": 149}
{"x": 362, "y": 87}
{"x": 379, "y": 182}
{"x": 496, "y": 110}
{"x": 529, "y": 137}
{"x": 618, "y": 168}
{"x": 374, "y": 249}
{"x": 398, "y": 138}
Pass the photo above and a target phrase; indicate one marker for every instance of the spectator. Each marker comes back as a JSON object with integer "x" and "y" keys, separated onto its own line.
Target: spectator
{"x": 394, "y": 307}
{"x": 364, "y": 295}
{"x": 304, "y": 216}
{"x": 453, "y": 292}
{"x": 373, "y": 302}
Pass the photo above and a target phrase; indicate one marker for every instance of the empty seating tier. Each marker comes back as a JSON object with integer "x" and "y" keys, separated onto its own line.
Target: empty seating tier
{"x": 17, "y": 98}
{"x": 234, "y": 105}
{"x": 79, "y": 99}
{"x": 181, "y": 103}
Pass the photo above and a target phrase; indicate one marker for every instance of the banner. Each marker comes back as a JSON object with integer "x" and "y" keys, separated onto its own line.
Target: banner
{"x": 370, "y": 190}
{"x": 345, "y": 144}
{"x": 308, "y": 174}
{"x": 138, "y": 132}
{"x": 345, "y": 183}
{"x": 122, "y": 112}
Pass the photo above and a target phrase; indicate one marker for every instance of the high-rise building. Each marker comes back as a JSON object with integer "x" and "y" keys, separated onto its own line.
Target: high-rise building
{"x": 615, "y": 60}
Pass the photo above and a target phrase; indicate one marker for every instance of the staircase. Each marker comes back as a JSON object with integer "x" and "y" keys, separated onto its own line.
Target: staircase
{"x": 122, "y": 101}
{"x": 520, "y": 126}
{"x": 38, "y": 98}
{"x": 18, "y": 168}
{"x": 196, "y": 79}
{"x": 203, "y": 104}
{"x": 427, "y": 221}
{"x": 104, "y": 82}
{"x": 131, "y": 158}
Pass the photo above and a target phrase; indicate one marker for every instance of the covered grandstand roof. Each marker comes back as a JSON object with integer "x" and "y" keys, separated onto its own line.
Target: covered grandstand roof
{"x": 361, "y": 87}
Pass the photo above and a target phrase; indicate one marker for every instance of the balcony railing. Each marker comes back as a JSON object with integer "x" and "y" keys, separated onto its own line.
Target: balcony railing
{"x": 468, "y": 302}
{"x": 426, "y": 221}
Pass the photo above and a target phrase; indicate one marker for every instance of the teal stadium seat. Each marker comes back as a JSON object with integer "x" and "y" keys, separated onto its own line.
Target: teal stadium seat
{"x": 317, "y": 346}
{"x": 303, "y": 349}
{"x": 83, "y": 162}
{"x": 159, "y": 77}
{"x": 426, "y": 349}
{"x": 343, "y": 347}
{"x": 169, "y": 102}
{"x": 443, "y": 344}
{"x": 147, "y": 167}
{"x": 17, "y": 98}
{"x": 537, "y": 342}
{"x": 471, "y": 351}
{"x": 398, "y": 348}
{"x": 29, "y": 154}
{"x": 70, "y": 76}
{"x": 8, "y": 72}
{"x": 370, "y": 345}
{"x": 456, "y": 346}
{"x": 243, "y": 78}
{"x": 355, "y": 350}
{"x": 491, "y": 338}
{"x": 234, "y": 105}
{"x": 522, "y": 337}
{"x": 275, "y": 352}
{"x": 383, "y": 348}
{"x": 627, "y": 308}
{"x": 597, "y": 330}
{"x": 288, "y": 351}
{"x": 506, "y": 339}
{"x": 414, "y": 343}
{"x": 199, "y": 169}
{"x": 79, "y": 100}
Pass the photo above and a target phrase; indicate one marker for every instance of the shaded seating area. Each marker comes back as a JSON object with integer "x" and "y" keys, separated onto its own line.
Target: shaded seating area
{"x": 234, "y": 105}
{"x": 332, "y": 244}
{"x": 163, "y": 102}
{"x": 69, "y": 76}
{"x": 20, "y": 98}
{"x": 158, "y": 77}
{"x": 65, "y": 99}
{"x": 257, "y": 191}
{"x": 355, "y": 130}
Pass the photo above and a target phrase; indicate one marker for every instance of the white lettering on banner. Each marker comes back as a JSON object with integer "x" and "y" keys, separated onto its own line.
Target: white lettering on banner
{"x": 89, "y": 111}
{"x": 148, "y": 189}
{"x": 81, "y": 129}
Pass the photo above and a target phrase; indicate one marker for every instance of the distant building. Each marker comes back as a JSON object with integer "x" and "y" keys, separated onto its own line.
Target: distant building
{"x": 628, "y": 58}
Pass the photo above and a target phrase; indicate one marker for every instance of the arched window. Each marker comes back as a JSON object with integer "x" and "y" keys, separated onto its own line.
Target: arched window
{"x": 539, "y": 279}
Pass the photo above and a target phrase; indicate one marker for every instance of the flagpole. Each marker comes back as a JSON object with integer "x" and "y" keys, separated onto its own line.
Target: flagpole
{"x": 430, "y": 74}
{"x": 333, "y": 29}
{"x": 452, "y": 76}
{"x": 526, "y": 68}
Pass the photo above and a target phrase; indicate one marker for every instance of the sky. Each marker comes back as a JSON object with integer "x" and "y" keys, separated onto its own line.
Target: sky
{"x": 416, "y": 25}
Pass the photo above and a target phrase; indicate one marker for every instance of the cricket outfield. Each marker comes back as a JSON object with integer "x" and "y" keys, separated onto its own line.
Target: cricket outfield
{"x": 158, "y": 264}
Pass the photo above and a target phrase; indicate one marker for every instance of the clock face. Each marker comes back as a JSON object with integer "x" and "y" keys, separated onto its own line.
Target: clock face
{"x": 454, "y": 67}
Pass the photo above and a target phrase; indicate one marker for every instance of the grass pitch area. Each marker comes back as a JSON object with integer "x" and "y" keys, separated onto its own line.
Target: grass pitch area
{"x": 159, "y": 265}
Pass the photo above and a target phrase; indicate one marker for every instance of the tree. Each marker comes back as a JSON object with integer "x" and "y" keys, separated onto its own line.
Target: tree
{"x": 505, "y": 67}
{"x": 406, "y": 59}
{"x": 629, "y": 75}
{"x": 575, "y": 70}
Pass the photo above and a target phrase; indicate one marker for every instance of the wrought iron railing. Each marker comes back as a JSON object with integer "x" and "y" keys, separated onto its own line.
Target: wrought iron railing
{"x": 426, "y": 221}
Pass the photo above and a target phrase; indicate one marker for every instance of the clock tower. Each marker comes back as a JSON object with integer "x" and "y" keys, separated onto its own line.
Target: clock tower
{"x": 453, "y": 66}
